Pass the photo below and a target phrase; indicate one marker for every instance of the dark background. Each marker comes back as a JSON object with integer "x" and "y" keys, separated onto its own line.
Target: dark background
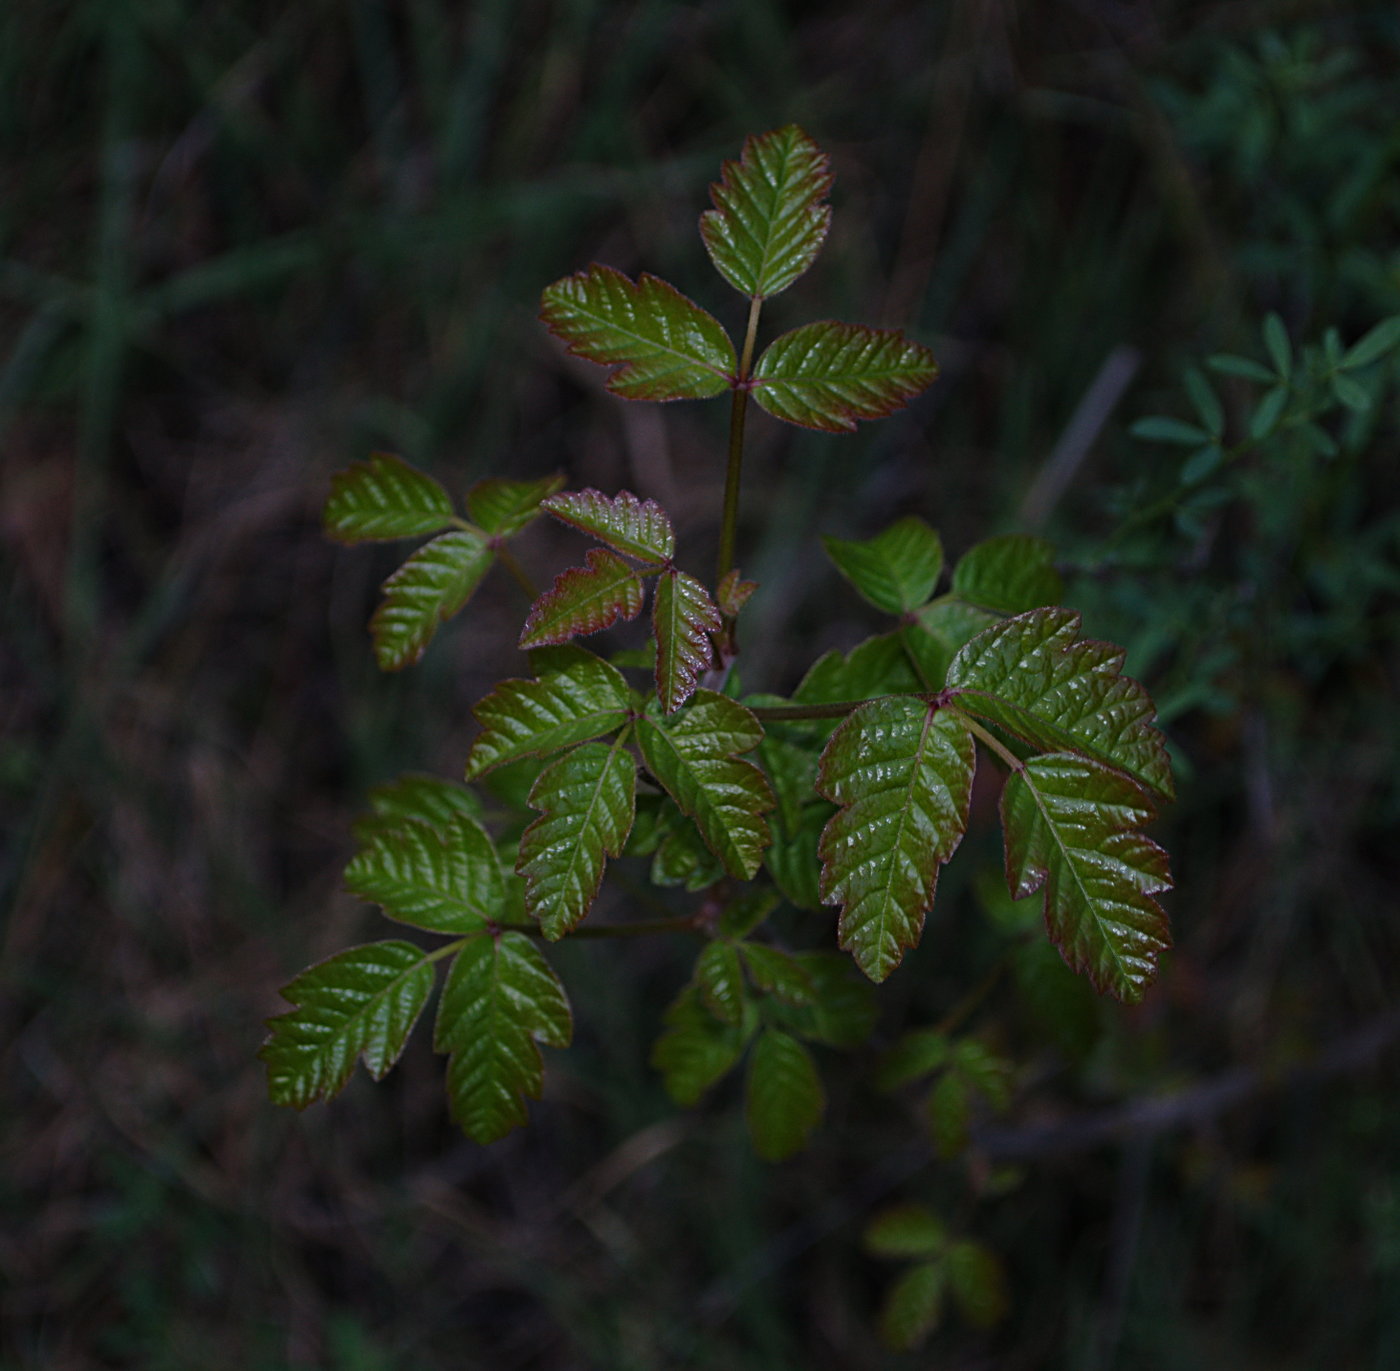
{"x": 242, "y": 244}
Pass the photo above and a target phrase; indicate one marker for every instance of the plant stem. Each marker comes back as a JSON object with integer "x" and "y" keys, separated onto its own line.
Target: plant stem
{"x": 990, "y": 740}
{"x": 974, "y": 997}
{"x": 738, "y": 405}
{"x": 517, "y": 572}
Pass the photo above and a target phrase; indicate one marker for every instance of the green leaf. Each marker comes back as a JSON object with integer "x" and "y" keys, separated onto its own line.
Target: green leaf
{"x": 1157, "y": 428}
{"x": 792, "y": 859}
{"x": 896, "y": 570}
{"x": 777, "y": 973}
{"x": 769, "y": 222}
{"x": 1350, "y": 393}
{"x": 902, "y": 771}
{"x": 745, "y": 910}
{"x": 1205, "y": 402}
{"x": 949, "y": 1114}
{"x": 693, "y": 755}
{"x": 587, "y": 799}
{"x": 843, "y": 1009}
{"x": 979, "y": 1284}
{"x": 1373, "y": 345}
{"x": 1010, "y": 574}
{"x": 917, "y": 1054}
{"x": 1034, "y": 677}
{"x": 584, "y": 599}
{"x": 720, "y": 979}
{"x": 577, "y": 697}
{"x": 1061, "y": 1005}
{"x": 985, "y": 1072}
{"x": 1276, "y": 341}
{"x": 783, "y": 1096}
{"x": 1201, "y": 464}
{"x": 664, "y": 346}
{"x": 878, "y": 666}
{"x": 1071, "y": 830}
{"x": 446, "y": 879}
{"x": 683, "y": 616}
{"x": 1232, "y": 365}
{"x": 361, "y": 1003}
{"x": 501, "y": 999}
{"x": 828, "y": 375}
{"x": 426, "y": 590}
{"x": 1268, "y": 413}
{"x": 696, "y": 1049}
{"x": 913, "y": 1308}
{"x": 414, "y": 795}
{"x": 636, "y": 528}
{"x": 939, "y": 630}
{"x": 788, "y": 755}
{"x": 682, "y": 859}
{"x": 905, "y": 1230}
{"x": 382, "y": 499}
{"x": 503, "y": 508}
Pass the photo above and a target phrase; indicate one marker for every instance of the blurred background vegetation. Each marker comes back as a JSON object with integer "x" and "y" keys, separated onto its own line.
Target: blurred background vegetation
{"x": 242, "y": 244}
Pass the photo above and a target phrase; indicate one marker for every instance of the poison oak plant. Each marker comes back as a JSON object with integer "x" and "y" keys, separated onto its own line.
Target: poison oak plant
{"x": 850, "y": 794}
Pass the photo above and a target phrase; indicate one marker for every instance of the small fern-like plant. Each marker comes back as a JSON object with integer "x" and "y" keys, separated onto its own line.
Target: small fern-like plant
{"x": 852, "y": 793}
